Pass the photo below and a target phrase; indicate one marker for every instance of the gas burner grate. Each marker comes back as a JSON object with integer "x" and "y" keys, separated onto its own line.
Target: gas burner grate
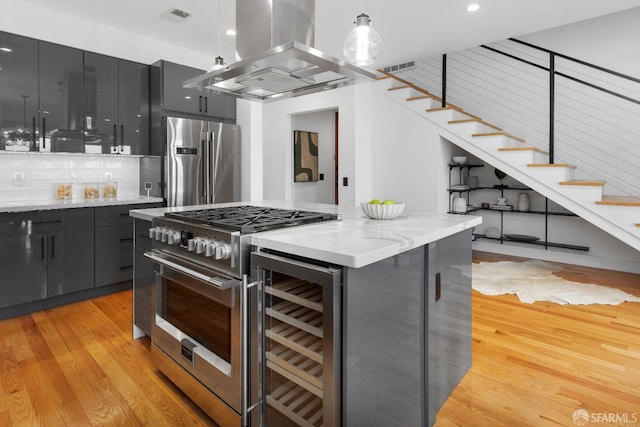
{"x": 251, "y": 219}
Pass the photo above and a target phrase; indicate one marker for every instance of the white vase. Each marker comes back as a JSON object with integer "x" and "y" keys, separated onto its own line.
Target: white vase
{"x": 524, "y": 203}
{"x": 460, "y": 205}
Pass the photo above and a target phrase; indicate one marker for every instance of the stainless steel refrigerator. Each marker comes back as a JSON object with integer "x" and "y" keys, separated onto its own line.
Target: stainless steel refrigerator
{"x": 202, "y": 162}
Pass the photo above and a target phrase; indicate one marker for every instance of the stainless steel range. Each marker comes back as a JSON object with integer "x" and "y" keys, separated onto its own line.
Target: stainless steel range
{"x": 208, "y": 336}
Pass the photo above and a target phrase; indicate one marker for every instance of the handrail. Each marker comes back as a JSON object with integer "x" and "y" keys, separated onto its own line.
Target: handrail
{"x": 553, "y": 73}
{"x": 578, "y": 61}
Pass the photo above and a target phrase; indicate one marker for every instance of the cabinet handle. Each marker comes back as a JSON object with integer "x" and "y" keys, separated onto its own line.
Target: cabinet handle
{"x": 200, "y": 104}
{"x": 42, "y": 244}
{"x": 44, "y": 131}
{"x": 53, "y": 246}
{"x": 126, "y": 267}
{"x": 124, "y": 214}
{"x": 115, "y": 136}
{"x": 438, "y": 287}
{"x": 122, "y": 137}
{"x": 206, "y": 104}
{"x": 55, "y": 221}
{"x": 126, "y": 239}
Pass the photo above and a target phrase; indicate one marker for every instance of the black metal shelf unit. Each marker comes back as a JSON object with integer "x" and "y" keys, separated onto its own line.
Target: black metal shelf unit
{"x": 546, "y": 212}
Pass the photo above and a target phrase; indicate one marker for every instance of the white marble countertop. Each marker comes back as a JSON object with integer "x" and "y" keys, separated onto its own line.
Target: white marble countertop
{"x": 353, "y": 241}
{"x": 79, "y": 203}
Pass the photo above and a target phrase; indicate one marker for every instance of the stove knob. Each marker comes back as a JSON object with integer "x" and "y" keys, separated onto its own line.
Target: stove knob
{"x": 223, "y": 251}
{"x": 165, "y": 236}
{"x": 152, "y": 233}
{"x": 200, "y": 246}
{"x": 191, "y": 245}
{"x": 210, "y": 249}
{"x": 158, "y": 234}
{"x": 173, "y": 237}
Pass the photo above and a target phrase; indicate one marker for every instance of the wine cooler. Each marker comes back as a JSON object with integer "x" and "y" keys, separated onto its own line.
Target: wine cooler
{"x": 301, "y": 341}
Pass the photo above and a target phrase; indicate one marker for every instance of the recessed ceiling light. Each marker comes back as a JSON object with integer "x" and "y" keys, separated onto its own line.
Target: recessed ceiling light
{"x": 230, "y": 32}
{"x": 5, "y": 49}
{"x": 473, "y": 7}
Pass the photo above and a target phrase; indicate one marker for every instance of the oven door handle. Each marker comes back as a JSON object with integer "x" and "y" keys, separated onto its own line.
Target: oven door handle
{"x": 219, "y": 282}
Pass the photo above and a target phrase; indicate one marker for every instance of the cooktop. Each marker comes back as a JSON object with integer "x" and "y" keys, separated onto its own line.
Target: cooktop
{"x": 251, "y": 219}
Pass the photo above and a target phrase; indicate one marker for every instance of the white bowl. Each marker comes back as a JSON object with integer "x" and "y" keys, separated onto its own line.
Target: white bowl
{"x": 381, "y": 211}
{"x": 459, "y": 160}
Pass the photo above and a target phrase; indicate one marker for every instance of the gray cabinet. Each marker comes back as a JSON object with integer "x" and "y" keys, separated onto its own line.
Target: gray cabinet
{"x": 57, "y": 98}
{"x": 70, "y": 254}
{"x": 45, "y": 254}
{"x": 168, "y": 81}
{"x": 143, "y": 278}
{"x": 18, "y": 93}
{"x": 114, "y": 245}
{"x": 116, "y": 105}
{"x": 22, "y": 261}
{"x": 407, "y": 333}
{"x": 60, "y": 92}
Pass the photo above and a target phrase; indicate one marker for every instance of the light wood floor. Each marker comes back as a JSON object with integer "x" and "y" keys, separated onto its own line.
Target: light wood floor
{"x": 533, "y": 364}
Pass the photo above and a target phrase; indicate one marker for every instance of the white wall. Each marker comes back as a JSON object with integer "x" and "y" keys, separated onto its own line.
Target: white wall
{"x": 27, "y": 19}
{"x": 322, "y": 122}
{"x": 277, "y": 148}
{"x": 612, "y": 41}
{"x": 408, "y": 158}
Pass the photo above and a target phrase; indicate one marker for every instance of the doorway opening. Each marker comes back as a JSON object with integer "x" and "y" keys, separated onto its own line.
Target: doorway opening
{"x": 321, "y": 185}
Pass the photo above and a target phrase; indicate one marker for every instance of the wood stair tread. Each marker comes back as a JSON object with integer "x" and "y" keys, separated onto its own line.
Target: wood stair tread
{"x": 551, "y": 165}
{"x": 475, "y": 120}
{"x": 426, "y": 96}
{"x": 502, "y": 133}
{"x": 400, "y": 87}
{"x": 584, "y": 183}
{"x": 536, "y": 149}
{"x": 619, "y": 201}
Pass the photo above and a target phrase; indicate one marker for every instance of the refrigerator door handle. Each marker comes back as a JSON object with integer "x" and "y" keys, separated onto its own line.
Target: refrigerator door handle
{"x": 213, "y": 167}
{"x": 206, "y": 190}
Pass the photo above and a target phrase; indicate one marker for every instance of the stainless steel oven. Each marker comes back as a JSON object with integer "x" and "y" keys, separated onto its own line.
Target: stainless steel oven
{"x": 204, "y": 335}
{"x": 207, "y": 336}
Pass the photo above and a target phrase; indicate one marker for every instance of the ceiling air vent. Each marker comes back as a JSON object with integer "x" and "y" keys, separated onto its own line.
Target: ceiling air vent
{"x": 176, "y": 15}
{"x": 400, "y": 67}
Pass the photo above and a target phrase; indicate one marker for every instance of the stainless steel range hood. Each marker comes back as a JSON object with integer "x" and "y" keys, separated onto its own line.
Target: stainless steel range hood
{"x": 276, "y": 57}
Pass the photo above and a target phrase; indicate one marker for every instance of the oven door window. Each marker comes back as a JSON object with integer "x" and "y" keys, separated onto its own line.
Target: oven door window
{"x": 200, "y": 311}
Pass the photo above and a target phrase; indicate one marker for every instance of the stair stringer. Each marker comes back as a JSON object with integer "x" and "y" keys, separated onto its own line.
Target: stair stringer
{"x": 618, "y": 221}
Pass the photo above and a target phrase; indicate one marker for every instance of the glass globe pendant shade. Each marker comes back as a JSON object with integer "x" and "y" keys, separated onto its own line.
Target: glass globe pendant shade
{"x": 363, "y": 43}
{"x": 218, "y": 64}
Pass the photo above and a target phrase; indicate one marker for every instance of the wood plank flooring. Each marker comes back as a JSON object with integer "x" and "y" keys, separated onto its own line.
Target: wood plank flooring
{"x": 533, "y": 365}
{"x": 536, "y": 364}
{"x": 77, "y": 365}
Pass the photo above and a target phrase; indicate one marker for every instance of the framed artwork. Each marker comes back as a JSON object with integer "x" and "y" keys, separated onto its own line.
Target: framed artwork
{"x": 305, "y": 156}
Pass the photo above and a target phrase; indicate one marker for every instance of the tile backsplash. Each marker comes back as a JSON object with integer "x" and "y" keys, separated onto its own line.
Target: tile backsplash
{"x": 32, "y": 177}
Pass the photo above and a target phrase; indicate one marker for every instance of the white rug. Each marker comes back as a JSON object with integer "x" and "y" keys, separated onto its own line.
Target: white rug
{"x": 534, "y": 281}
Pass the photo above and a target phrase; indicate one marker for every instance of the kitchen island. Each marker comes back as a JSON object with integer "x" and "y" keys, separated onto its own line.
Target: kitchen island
{"x": 403, "y": 338}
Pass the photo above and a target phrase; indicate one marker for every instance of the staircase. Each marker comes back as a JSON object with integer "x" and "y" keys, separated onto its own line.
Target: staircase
{"x": 619, "y": 216}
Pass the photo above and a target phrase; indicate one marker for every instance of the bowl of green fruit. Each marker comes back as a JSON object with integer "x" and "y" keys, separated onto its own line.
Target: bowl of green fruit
{"x": 386, "y": 209}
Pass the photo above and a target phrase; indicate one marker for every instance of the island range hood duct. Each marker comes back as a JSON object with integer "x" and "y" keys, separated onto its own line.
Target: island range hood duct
{"x": 276, "y": 57}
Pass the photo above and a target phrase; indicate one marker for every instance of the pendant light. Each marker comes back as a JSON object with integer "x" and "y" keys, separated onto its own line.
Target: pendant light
{"x": 219, "y": 60}
{"x": 363, "y": 43}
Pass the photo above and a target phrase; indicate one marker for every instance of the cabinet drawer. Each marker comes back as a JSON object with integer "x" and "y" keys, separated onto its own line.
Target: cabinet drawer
{"x": 114, "y": 239}
{"x": 113, "y": 215}
{"x": 115, "y": 268}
